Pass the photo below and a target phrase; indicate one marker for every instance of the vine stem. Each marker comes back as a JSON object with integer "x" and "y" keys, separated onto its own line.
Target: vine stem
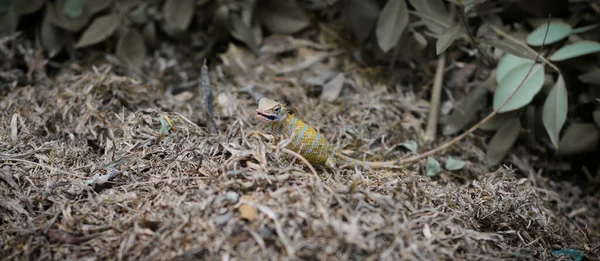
{"x": 487, "y": 118}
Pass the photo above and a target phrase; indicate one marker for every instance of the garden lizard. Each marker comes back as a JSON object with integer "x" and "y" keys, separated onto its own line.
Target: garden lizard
{"x": 305, "y": 140}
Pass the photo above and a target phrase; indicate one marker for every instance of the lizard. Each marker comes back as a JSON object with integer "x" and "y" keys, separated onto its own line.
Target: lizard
{"x": 305, "y": 140}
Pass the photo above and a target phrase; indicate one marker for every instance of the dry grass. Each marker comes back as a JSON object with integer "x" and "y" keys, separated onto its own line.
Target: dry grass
{"x": 85, "y": 174}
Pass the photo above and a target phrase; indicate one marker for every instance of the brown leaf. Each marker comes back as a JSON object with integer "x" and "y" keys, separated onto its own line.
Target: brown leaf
{"x": 246, "y": 211}
{"x": 332, "y": 89}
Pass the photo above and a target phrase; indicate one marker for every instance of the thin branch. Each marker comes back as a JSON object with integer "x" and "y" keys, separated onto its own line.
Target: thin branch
{"x": 436, "y": 94}
{"x": 516, "y": 41}
{"x": 472, "y": 129}
{"x": 465, "y": 21}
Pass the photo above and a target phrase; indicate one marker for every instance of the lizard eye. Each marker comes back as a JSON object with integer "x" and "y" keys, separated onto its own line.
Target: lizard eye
{"x": 276, "y": 109}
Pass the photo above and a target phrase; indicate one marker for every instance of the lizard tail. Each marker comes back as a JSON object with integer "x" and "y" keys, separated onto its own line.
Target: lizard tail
{"x": 343, "y": 159}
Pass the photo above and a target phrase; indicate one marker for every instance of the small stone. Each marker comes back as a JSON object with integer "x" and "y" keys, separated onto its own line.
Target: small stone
{"x": 232, "y": 197}
{"x": 222, "y": 219}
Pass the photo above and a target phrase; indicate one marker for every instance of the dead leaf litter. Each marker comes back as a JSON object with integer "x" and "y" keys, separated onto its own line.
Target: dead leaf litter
{"x": 98, "y": 166}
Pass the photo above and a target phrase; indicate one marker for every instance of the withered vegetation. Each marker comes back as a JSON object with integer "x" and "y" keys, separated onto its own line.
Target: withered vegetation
{"x": 87, "y": 173}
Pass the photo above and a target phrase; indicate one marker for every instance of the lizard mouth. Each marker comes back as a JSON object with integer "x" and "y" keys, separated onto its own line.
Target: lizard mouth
{"x": 266, "y": 117}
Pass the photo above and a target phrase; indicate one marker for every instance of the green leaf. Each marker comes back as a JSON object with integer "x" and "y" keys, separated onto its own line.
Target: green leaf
{"x": 100, "y": 29}
{"x": 432, "y": 167}
{"x": 579, "y": 138}
{"x": 465, "y": 111}
{"x": 5, "y": 6}
{"x": 281, "y": 16}
{"x": 165, "y": 127}
{"x": 360, "y": 16}
{"x": 575, "y": 49}
{"x": 410, "y": 145}
{"x": 149, "y": 33}
{"x": 131, "y": 50}
{"x": 449, "y": 37}
{"x": 596, "y": 115}
{"x": 243, "y": 32}
{"x": 499, "y": 120}
{"x": 391, "y": 23}
{"x": 556, "y": 32}
{"x": 52, "y": 38}
{"x": 63, "y": 21}
{"x": 512, "y": 48}
{"x": 554, "y": 113}
{"x": 454, "y": 164}
{"x": 8, "y": 23}
{"x": 585, "y": 28}
{"x": 178, "y": 14}
{"x": 94, "y": 6}
{"x": 73, "y": 8}
{"x": 25, "y": 6}
{"x": 592, "y": 77}
{"x": 435, "y": 9}
{"x": 502, "y": 141}
{"x": 509, "y": 83}
{"x": 507, "y": 63}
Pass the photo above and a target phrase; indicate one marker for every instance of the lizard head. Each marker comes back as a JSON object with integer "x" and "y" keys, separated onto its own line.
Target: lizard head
{"x": 270, "y": 110}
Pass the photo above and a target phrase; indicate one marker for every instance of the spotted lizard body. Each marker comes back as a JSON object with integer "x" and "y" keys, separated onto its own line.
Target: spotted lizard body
{"x": 305, "y": 140}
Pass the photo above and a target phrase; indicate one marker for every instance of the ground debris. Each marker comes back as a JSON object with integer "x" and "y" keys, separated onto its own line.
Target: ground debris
{"x": 188, "y": 194}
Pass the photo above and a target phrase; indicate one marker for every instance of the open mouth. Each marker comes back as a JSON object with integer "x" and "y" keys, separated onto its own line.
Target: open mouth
{"x": 266, "y": 116}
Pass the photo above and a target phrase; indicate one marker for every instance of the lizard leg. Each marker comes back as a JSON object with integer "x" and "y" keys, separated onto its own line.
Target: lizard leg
{"x": 329, "y": 162}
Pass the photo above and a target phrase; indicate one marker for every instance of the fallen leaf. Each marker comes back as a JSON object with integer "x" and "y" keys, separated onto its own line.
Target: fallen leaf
{"x": 333, "y": 88}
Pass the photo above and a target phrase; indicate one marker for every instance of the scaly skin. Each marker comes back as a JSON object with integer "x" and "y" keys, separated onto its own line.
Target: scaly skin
{"x": 305, "y": 140}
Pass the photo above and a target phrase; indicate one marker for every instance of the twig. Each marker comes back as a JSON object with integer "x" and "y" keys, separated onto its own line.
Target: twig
{"x": 44, "y": 166}
{"x": 298, "y": 156}
{"x": 472, "y": 129}
{"x": 436, "y": 94}
{"x": 465, "y": 20}
{"x": 516, "y": 41}
{"x": 207, "y": 98}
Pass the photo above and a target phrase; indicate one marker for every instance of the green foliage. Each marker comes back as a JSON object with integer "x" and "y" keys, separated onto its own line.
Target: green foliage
{"x": 100, "y": 29}
{"x": 575, "y": 49}
{"x": 554, "y": 113}
{"x": 512, "y": 80}
{"x": 410, "y": 145}
{"x": 502, "y": 141}
{"x": 509, "y": 62}
{"x": 178, "y": 15}
{"x": 391, "y": 23}
{"x": 432, "y": 167}
{"x": 454, "y": 164}
{"x": 579, "y": 138}
{"x": 73, "y": 8}
{"x": 511, "y": 48}
{"x": 408, "y": 26}
{"x": 5, "y": 6}
{"x": 556, "y": 32}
